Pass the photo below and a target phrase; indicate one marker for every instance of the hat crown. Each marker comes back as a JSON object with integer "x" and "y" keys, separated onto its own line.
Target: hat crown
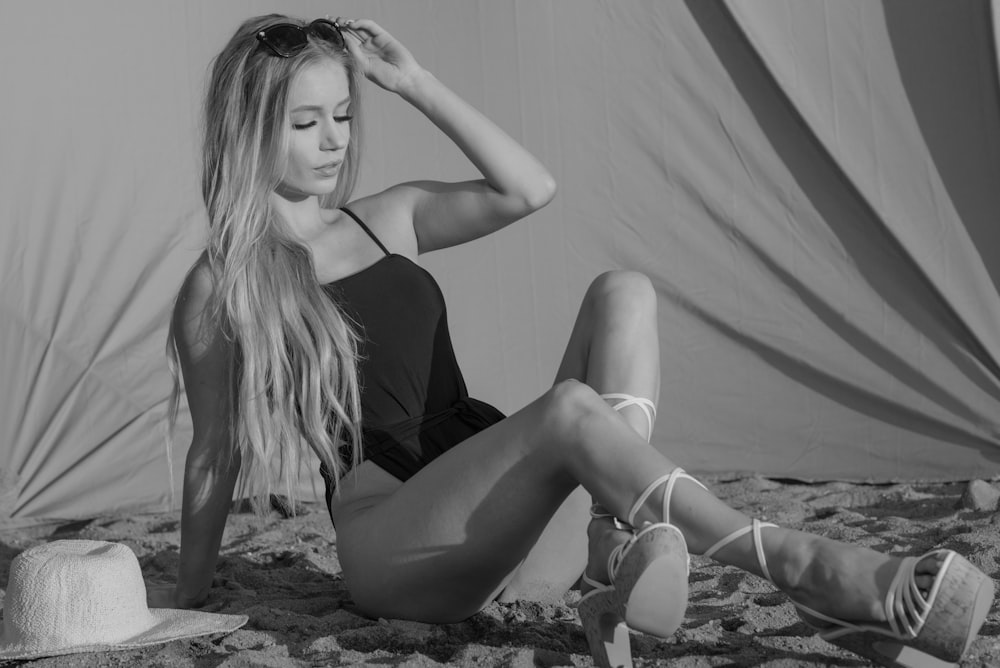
{"x": 75, "y": 592}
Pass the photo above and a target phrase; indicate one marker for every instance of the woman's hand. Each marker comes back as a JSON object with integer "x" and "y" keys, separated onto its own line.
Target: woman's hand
{"x": 379, "y": 55}
{"x": 165, "y": 595}
{"x": 161, "y": 595}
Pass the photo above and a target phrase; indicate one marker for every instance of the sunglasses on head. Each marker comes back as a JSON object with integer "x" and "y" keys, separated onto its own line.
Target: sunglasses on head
{"x": 287, "y": 39}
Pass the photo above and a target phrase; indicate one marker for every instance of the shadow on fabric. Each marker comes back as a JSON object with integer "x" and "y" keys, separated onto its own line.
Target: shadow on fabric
{"x": 875, "y": 252}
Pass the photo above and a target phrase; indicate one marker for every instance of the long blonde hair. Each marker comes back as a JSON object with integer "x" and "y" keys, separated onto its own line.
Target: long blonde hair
{"x": 294, "y": 378}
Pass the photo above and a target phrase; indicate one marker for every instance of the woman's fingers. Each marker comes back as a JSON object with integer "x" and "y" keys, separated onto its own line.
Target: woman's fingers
{"x": 356, "y": 25}
{"x": 381, "y": 57}
{"x": 346, "y": 28}
{"x": 366, "y": 30}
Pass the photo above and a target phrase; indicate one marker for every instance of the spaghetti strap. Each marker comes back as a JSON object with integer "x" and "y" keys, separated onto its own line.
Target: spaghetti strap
{"x": 365, "y": 228}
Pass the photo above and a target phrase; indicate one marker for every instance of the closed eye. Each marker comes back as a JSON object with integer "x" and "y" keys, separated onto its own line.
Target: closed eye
{"x": 303, "y": 126}
{"x": 343, "y": 119}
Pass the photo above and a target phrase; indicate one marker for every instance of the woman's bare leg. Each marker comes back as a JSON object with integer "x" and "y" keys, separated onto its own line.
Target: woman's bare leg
{"x": 614, "y": 348}
{"x": 439, "y": 547}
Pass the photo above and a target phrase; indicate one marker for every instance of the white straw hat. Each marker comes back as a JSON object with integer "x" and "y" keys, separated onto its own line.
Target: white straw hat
{"x": 72, "y": 596}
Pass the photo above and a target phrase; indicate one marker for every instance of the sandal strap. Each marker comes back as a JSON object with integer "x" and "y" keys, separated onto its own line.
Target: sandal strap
{"x": 758, "y": 544}
{"x": 625, "y": 400}
{"x": 905, "y": 624}
{"x": 615, "y": 559}
{"x": 599, "y": 512}
{"x": 671, "y": 480}
{"x": 593, "y": 583}
{"x": 914, "y": 607}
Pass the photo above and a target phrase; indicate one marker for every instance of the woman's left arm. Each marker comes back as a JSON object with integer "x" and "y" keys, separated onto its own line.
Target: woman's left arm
{"x": 514, "y": 182}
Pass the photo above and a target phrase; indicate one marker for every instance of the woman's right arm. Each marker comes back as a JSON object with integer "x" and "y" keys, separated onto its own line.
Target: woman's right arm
{"x": 212, "y": 464}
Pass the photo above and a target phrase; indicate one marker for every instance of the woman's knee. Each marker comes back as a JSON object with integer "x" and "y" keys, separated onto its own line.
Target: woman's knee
{"x": 621, "y": 292}
{"x": 565, "y": 408}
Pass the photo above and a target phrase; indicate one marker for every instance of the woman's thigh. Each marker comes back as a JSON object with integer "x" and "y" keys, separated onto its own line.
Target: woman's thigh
{"x": 365, "y": 486}
{"x": 441, "y": 546}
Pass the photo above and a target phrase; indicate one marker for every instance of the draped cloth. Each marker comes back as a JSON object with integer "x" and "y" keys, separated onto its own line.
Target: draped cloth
{"x": 812, "y": 187}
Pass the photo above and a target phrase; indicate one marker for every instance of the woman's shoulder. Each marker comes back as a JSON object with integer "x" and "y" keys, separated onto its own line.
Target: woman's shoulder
{"x": 196, "y": 291}
{"x": 195, "y": 322}
{"x": 383, "y": 214}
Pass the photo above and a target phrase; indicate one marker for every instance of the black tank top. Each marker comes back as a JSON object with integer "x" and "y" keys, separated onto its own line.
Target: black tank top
{"x": 414, "y": 403}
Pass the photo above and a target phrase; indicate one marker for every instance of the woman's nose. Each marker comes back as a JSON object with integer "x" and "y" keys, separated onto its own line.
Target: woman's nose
{"x": 335, "y": 136}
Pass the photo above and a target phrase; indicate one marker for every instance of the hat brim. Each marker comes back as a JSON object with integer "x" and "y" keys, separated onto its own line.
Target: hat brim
{"x": 169, "y": 624}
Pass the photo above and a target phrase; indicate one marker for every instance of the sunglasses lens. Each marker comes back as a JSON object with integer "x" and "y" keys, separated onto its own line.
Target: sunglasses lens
{"x": 328, "y": 32}
{"x": 285, "y": 39}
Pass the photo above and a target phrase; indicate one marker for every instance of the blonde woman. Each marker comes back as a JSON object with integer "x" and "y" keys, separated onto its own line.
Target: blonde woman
{"x": 308, "y": 330}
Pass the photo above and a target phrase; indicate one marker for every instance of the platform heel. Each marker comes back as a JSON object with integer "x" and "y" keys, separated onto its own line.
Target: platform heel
{"x": 648, "y": 593}
{"x": 920, "y": 633}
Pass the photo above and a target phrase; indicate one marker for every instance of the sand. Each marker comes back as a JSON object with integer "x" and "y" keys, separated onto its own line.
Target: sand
{"x": 284, "y": 574}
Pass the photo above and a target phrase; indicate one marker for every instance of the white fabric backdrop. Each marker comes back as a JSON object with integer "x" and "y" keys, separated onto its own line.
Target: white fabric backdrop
{"x": 811, "y": 185}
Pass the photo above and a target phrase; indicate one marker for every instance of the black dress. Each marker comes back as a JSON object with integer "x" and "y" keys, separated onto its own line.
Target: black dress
{"x": 414, "y": 403}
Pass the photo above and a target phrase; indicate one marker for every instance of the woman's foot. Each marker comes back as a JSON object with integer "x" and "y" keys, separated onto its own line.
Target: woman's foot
{"x": 603, "y": 537}
{"x": 810, "y": 568}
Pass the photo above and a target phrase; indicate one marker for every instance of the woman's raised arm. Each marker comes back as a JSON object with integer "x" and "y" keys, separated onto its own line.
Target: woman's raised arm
{"x": 514, "y": 182}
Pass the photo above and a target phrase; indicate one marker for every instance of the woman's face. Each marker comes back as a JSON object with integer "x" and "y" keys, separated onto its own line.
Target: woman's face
{"x": 319, "y": 127}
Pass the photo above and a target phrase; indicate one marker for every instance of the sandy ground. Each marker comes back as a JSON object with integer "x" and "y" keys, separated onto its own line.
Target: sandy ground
{"x": 284, "y": 574}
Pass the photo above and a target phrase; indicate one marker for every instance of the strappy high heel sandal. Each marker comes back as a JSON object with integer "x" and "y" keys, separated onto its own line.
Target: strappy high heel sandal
{"x": 648, "y": 573}
{"x": 648, "y": 593}
{"x": 920, "y": 633}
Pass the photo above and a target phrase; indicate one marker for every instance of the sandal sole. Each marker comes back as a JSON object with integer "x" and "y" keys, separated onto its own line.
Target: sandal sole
{"x": 655, "y": 575}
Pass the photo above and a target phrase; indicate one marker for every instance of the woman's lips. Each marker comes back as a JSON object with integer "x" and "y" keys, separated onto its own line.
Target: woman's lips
{"x": 329, "y": 169}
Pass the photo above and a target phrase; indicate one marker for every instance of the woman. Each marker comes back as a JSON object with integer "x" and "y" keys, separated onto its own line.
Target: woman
{"x": 307, "y": 322}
